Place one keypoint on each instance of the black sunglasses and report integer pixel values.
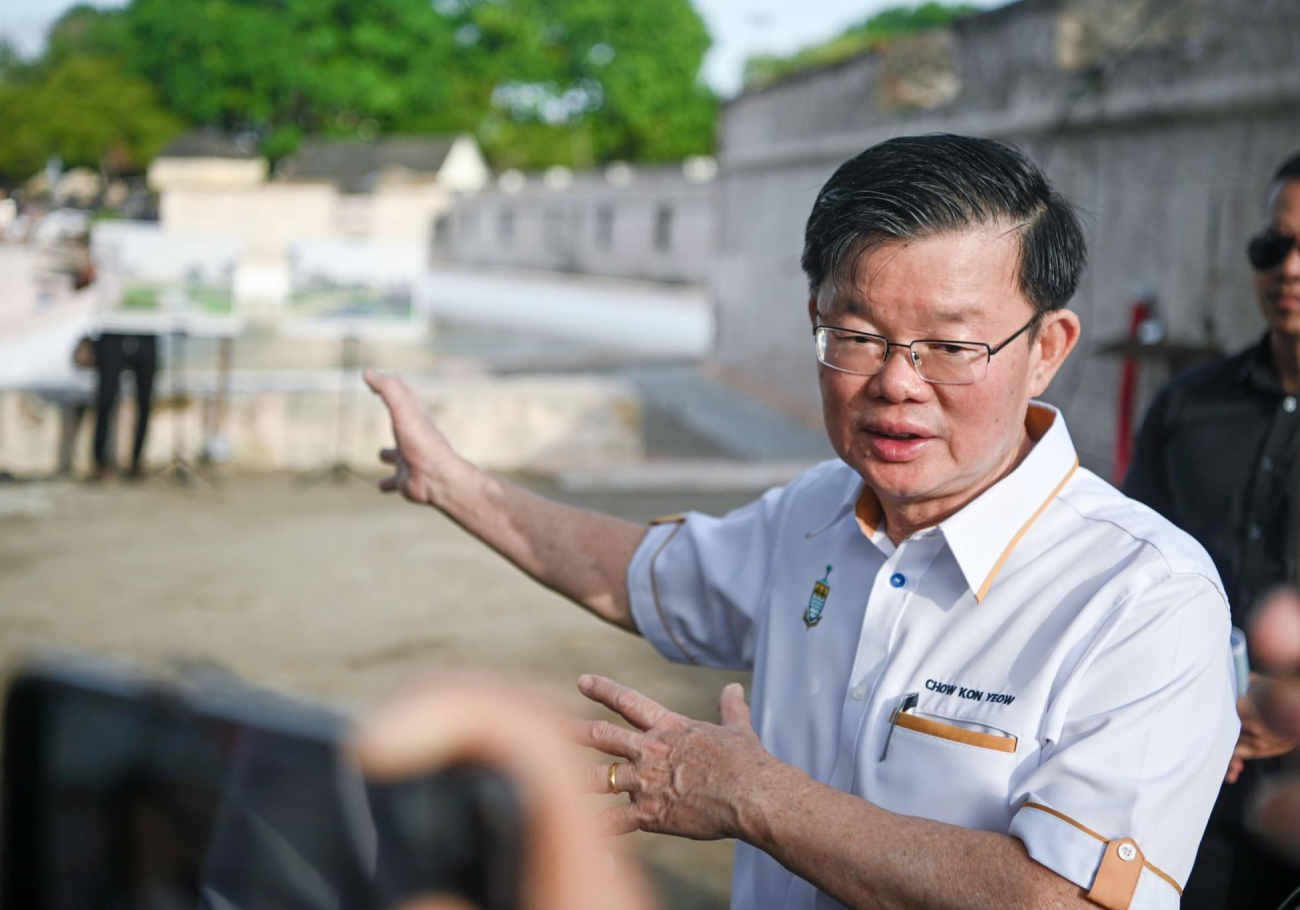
(1270, 249)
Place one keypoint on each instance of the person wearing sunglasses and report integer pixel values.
(1217, 456)
(982, 677)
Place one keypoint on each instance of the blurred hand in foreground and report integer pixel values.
(422, 459)
(1257, 739)
(1275, 648)
(567, 864)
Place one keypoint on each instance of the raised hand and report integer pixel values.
(685, 777)
(422, 459)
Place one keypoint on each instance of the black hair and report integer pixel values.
(1289, 170)
(919, 186)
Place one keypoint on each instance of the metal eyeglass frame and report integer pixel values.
(912, 355)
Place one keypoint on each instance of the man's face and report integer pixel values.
(1277, 290)
(912, 441)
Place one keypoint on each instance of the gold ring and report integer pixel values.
(613, 770)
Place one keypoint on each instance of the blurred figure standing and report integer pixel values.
(1217, 455)
(114, 354)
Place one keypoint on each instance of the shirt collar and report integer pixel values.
(984, 533)
(1257, 369)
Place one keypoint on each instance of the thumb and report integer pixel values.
(731, 706)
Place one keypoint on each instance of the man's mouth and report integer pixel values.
(897, 441)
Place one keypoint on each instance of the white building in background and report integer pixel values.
(386, 191)
(652, 223)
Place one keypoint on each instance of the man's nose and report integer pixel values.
(898, 379)
(1291, 264)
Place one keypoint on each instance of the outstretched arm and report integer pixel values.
(581, 554)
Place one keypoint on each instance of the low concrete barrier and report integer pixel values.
(287, 422)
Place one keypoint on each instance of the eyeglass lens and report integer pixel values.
(1269, 250)
(936, 361)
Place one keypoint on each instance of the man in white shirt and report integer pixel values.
(982, 677)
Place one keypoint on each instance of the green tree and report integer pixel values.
(88, 31)
(539, 81)
(86, 111)
(764, 69)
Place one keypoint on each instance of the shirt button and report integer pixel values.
(1266, 463)
(1254, 532)
(898, 579)
(859, 692)
(1288, 404)
(1127, 852)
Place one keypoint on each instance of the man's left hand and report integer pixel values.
(685, 777)
(1256, 740)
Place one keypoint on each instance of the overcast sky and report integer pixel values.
(739, 27)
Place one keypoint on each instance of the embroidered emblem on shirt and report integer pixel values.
(821, 590)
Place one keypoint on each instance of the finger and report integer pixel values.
(731, 706)
(1275, 632)
(607, 737)
(388, 456)
(641, 711)
(377, 380)
(1278, 703)
(1235, 767)
(619, 820)
(482, 721)
(389, 484)
(595, 778)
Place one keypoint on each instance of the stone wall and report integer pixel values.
(1161, 119)
(655, 224)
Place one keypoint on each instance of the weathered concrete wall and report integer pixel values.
(653, 224)
(1162, 121)
(542, 423)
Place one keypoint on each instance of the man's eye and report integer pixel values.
(951, 350)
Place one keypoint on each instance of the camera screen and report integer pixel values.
(128, 802)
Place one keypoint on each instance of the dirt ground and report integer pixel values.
(330, 591)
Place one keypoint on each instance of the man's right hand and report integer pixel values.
(422, 458)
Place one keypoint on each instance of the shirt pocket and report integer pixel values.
(949, 769)
(967, 732)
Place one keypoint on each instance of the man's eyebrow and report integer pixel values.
(851, 305)
(953, 317)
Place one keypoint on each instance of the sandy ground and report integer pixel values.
(331, 591)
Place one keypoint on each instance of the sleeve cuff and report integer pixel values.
(648, 614)
(1075, 852)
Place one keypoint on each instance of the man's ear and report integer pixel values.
(1056, 339)
(812, 310)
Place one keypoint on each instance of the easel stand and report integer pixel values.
(184, 473)
(341, 469)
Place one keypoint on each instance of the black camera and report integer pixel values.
(126, 792)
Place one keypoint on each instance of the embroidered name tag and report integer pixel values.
(992, 698)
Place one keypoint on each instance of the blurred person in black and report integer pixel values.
(1217, 455)
(114, 354)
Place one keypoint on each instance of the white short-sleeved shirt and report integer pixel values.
(1067, 649)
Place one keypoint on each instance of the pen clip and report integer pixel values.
(907, 703)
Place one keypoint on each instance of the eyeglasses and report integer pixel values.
(1270, 249)
(938, 362)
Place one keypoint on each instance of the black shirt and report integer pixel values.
(1217, 456)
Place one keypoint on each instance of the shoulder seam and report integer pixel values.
(1152, 545)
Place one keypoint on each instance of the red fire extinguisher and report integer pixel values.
(1139, 313)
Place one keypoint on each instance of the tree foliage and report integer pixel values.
(83, 109)
(539, 82)
(764, 69)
